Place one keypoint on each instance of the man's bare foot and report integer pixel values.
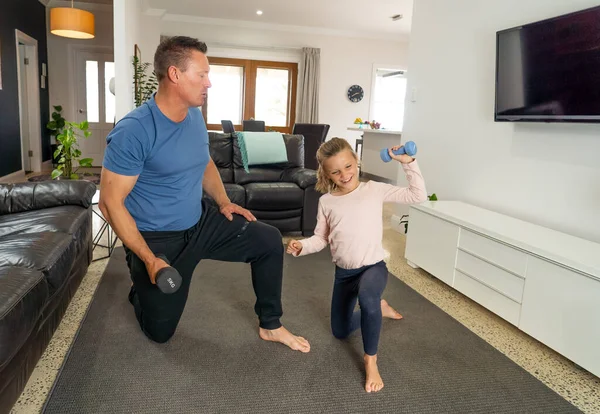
(374, 383)
(388, 312)
(282, 335)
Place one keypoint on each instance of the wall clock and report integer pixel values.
(355, 93)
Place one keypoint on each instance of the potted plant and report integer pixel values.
(68, 152)
(55, 126)
(144, 85)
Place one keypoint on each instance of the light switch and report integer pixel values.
(413, 94)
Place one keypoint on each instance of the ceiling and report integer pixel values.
(358, 16)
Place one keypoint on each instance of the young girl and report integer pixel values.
(350, 220)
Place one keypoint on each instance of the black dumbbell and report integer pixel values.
(168, 279)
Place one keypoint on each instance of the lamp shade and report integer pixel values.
(70, 22)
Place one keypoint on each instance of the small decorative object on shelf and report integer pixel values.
(362, 124)
(375, 125)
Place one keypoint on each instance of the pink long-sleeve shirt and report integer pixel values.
(351, 223)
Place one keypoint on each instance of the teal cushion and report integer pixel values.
(259, 148)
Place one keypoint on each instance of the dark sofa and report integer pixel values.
(45, 250)
(282, 195)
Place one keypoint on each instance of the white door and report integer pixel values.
(95, 103)
(24, 109)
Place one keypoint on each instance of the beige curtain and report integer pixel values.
(308, 86)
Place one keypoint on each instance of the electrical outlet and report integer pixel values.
(30, 153)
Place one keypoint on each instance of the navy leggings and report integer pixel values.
(365, 284)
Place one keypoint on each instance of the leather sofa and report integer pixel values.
(282, 195)
(45, 250)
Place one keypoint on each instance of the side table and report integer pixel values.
(104, 228)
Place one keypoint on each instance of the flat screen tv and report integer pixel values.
(549, 71)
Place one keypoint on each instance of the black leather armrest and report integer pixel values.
(16, 198)
(302, 177)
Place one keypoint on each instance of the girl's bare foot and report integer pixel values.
(388, 312)
(282, 335)
(374, 383)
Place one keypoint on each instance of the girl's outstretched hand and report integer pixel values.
(403, 158)
(294, 247)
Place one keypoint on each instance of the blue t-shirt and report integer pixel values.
(170, 159)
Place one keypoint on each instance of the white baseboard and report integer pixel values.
(13, 177)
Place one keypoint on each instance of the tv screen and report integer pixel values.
(550, 70)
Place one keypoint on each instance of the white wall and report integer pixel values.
(548, 174)
(127, 16)
(344, 61)
(61, 74)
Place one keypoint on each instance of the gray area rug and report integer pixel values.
(216, 362)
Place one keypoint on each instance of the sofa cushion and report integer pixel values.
(257, 175)
(294, 146)
(235, 192)
(261, 148)
(66, 219)
(23, 294)
(303, 177)
(273, 196)
(15, 198)
(221, 152)
(285, 225)
(277, 214)
(51, 253)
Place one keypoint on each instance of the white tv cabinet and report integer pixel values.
(544, 282)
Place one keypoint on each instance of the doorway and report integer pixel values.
(29, 102)
(388, 96)
(94, 101)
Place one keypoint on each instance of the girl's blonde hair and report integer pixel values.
(327, 150)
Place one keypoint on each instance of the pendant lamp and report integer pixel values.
(71, 22)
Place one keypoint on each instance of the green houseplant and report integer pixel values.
(58, 122)
(144, 84)
(55, 126)
(68, 152)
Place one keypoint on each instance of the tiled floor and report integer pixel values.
(573, 383)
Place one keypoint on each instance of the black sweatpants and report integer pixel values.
(365, 284)
(213, 237)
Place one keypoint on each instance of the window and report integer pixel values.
(388, 98)
(243, 89)
(271, 102)
(226, 93)
(109, 101)
(91, 86)
(100, 102)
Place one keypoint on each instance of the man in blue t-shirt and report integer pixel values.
(156, 167)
